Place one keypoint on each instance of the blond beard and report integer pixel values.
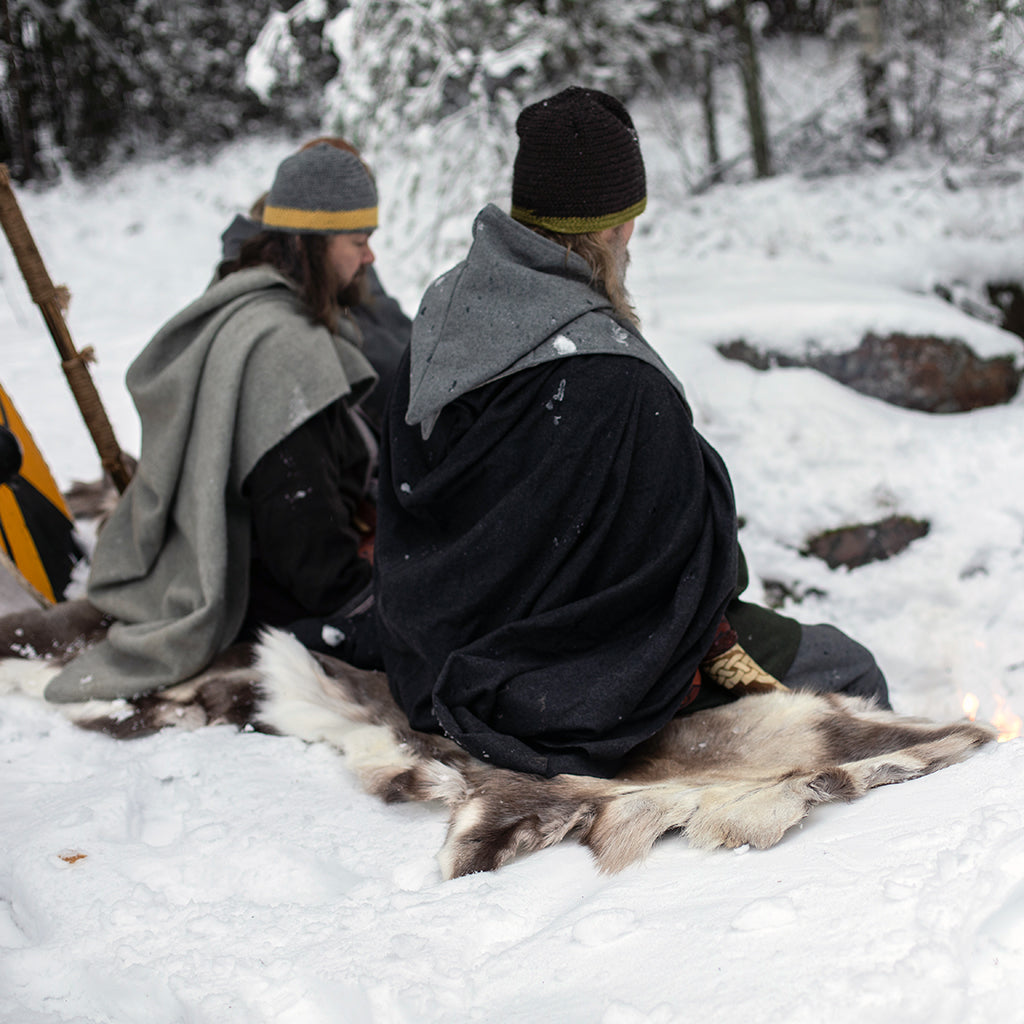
(622, 260)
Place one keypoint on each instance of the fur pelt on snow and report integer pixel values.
(739, 774)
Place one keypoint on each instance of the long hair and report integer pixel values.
(302, 258)
(607, 266)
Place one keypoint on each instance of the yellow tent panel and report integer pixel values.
(36, 526)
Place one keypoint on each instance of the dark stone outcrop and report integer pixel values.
(853, 546)
(777, 593)
(912, 371)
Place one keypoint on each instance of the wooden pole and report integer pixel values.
(45, 296)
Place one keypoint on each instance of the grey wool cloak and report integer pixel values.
(221, 384)
(556, 544)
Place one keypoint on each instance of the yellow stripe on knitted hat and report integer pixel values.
(578, 225)
(320, 220)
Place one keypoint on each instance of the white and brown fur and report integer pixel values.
(730, 776)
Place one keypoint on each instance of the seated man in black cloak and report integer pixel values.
(558, 572)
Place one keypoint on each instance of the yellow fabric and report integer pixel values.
(22, 546)
(36, 472)
(320, 220)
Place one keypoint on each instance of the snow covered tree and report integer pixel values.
(63, 78)
(439, 83)
(187, 67)
(956, 73)
(85, 78)
(412, 62)
(435, 88)
(1001, 76)
(292, 61)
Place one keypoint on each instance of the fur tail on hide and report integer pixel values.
(26, 676)
(320, 699)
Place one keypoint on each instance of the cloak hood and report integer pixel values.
(517, 300)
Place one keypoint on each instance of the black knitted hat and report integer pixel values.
(321, 190)
(579, 167)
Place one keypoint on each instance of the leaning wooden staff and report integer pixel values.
(73, 362)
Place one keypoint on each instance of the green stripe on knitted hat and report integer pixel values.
(321, 190)
(578, 225)
(578, 167)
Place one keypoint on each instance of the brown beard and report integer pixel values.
(356, 292)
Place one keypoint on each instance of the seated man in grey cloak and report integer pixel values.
(246, 506)
(557, 565)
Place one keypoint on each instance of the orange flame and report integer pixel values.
(1004, 720)
(971, 705)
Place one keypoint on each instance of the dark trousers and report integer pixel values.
(827, 661)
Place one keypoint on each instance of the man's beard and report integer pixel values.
(357, 291)
(622, 259)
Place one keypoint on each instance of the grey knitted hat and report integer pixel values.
(321, 190)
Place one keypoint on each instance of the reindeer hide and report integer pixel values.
(734, 775)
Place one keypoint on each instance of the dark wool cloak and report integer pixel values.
(556, 543)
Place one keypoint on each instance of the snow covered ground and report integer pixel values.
(217, 877)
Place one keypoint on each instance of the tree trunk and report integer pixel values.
(17, 131)
(704, 63)
(751, 74)
(706, 87)
(878, 112)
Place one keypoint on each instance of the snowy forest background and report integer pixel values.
(433, 87)
(91, 81)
